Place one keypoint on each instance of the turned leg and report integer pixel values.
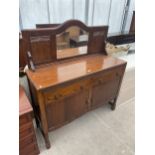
(47, 141)
(113, 104)
(46, 138)
(44, 123)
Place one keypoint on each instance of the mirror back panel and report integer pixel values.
(64, 41)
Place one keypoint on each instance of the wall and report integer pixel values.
(91, 12)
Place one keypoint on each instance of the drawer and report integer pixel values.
(25, 119)
(30, 139)
(31, 149)
(26, 130)
(65, 91)
(107, 76)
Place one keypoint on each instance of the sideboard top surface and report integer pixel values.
(66, 70)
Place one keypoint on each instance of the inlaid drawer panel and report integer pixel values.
(27, 140)
(110, 75)
(61, 93)
(29, 150)
(26, 130)
(24, 119)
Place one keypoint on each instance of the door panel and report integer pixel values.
(104, 92)
(66, 109)
(56, 114)
(76, 105)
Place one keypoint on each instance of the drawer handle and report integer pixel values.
(56, 97)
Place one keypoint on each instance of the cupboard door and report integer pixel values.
(66, 109)
(76, 105)
(56, 114)
(104, 92)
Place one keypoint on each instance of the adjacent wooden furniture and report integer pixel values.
(65, 88)
(27, 139)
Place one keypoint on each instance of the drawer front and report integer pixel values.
(29, 150)
(26, 130)
(23, 142)
(107, 76)
(65, 91)
(25, 119)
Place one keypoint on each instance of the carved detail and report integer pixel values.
(41, 42)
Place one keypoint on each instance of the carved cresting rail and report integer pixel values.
(41, 42)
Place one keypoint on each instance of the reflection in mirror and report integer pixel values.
(72, 42)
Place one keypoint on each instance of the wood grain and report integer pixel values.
(24, 104)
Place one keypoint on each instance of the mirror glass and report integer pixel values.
(72, 42)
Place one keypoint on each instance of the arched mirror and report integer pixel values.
(72, 42)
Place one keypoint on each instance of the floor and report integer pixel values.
(99, 132)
